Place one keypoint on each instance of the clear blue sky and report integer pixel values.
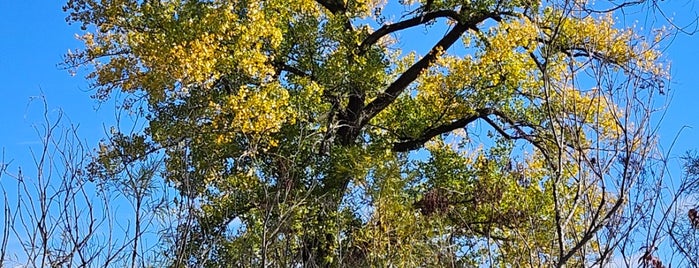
(34, 36)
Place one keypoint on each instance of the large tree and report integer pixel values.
(307, 132)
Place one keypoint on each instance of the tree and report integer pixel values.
(303, 134)
(54, 215)
(676, 222)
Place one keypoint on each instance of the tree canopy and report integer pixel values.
(392, 133)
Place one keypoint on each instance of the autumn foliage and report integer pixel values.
(380, 133)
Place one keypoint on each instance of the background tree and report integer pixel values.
(301, 133)
(54, 215)
(671, 233)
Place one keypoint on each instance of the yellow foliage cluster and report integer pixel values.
(219, 41)
(254, 111)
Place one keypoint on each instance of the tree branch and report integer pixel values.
(337, 7)
(281, 66)
(409, 145)
(520, 133)
(401, 83)
(391, 28)
(483, 113)
(391, 93)
(334, 6)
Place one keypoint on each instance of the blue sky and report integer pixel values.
(34, 36)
